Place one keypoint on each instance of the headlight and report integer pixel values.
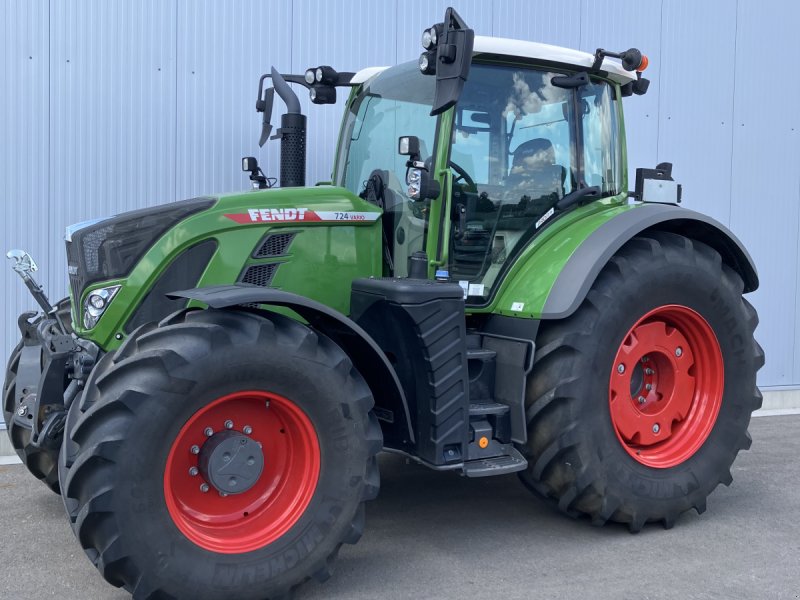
(413, 179)
(96, 303)
(309, 76)
(427, 62)
(319, 74)
(427, 39)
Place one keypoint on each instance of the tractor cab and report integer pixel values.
(528, 138)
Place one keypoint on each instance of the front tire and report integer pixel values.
(146, 464)
(639, 402)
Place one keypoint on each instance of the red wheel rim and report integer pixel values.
(666, 386)
(244, 522)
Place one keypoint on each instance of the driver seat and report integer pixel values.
(535, 174)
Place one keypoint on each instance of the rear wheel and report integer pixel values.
(640, 401)
(41, 461)
(220, 454)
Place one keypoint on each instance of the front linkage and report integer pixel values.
(45, 373)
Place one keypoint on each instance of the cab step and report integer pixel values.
(498, 465)
(487, 408)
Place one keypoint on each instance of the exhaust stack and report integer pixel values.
(292, 133)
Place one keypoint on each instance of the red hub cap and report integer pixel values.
(666, 386)
(279, 468)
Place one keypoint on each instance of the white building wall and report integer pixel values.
(110, 106)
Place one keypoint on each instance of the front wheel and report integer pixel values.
(640, 401)
(220, 454)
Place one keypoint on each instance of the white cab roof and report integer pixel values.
(567, 56)
(523, 49)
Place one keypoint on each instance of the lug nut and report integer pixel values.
(266, 404)
(194, 450)
(228, 424)
(247, 430)
(22, 410)
(648, 371)
(656, 428)
(223, 494)
(208, 431)
(678, 351)
(204, 487)
(193, 471)
(620, 369)
(648, 386)
(642, 399)
(645, 358)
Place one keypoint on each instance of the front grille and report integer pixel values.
(77, 277)
(275, 244)
(111, 248)
(260, 275)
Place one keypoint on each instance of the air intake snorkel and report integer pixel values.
(292, 131)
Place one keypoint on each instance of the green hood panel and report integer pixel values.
(338, 239)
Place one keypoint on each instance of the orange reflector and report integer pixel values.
(645, 62)
(483, 442)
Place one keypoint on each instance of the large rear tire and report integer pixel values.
(639, 402)
(146, 465)
(42, 462)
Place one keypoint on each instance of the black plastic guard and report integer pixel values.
(366, 355)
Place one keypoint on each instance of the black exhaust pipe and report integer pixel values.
(293, 135)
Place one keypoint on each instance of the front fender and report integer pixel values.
(366, 355)
(570, 260)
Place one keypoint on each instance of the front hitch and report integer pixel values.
(25, 266)
(53, 364)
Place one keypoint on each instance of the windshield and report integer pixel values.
(396, 103)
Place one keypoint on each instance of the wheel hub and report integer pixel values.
(231, 462)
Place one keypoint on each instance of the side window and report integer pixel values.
(601, 153)
(471, 138)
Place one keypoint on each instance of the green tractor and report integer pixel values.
(476, 290)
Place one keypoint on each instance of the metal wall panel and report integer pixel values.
(221, 53)
(112, 114)
(619, 25)
(765, 195)
(24, 139)
(116, 105)
(696, 103)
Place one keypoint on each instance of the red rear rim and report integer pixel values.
(243, 522)
(666, 386)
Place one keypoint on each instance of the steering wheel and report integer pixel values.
(462, 174)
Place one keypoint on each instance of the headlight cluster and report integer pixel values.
(430, 39)
(96, 303)
(323, 81)
(413, 180)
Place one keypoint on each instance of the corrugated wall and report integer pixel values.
(109, 106)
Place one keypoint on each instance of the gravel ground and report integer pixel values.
(432, 535)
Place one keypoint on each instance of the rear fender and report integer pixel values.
(552, 277)
(584, 265)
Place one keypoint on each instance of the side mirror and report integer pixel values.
(408, 145)
(250, 165)
(656, 185)
(421, 186)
